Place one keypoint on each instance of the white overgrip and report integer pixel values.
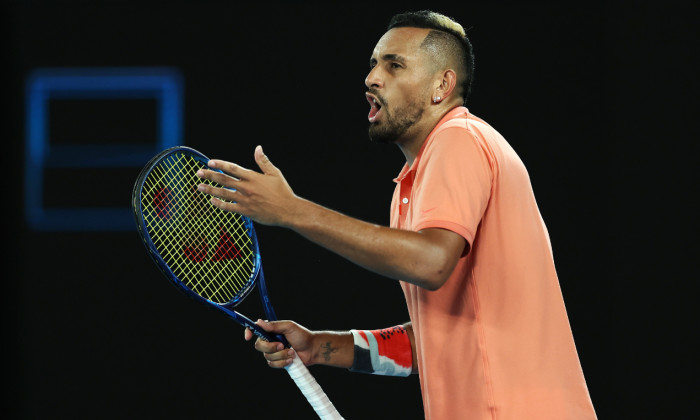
(312, 390)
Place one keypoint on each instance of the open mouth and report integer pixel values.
(375, 108)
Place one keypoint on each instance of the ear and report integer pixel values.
(445, 86)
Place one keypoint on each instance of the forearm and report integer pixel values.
(339, 349)
(390, 351)
(424, 258)
(414, 257)
(333, 349)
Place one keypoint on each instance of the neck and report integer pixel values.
(412, 141)
(410, 147)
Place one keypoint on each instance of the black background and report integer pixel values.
(599, 100)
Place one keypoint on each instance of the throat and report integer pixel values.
(412, 142)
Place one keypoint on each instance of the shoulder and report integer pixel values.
(454, 140)
(455, 127)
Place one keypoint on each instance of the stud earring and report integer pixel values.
(437, 99)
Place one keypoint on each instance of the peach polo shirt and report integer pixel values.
(494, 342)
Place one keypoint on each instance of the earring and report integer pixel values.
(437, 99)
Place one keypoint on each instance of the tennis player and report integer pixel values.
(488, 333)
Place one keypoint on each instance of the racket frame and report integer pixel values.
(255, 277)
(297, 370)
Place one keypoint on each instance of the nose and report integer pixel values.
(373, 79)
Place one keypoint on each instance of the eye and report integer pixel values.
(395, 65)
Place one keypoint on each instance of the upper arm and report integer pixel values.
(453, 189)
(443, 248)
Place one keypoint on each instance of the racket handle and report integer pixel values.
(312, 390)
(248, 323)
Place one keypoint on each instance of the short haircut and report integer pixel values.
(447, 38)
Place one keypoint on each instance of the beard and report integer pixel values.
(395, 123)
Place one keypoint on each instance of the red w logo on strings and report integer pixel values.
(226, 248)
(161, 202)
(197, 249)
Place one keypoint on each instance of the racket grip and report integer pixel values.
(312, 390)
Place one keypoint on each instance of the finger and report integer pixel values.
(264, 162)
(224, 199)
(281, 359)
(277, 327)
(233, 207)
(230, 168)
(219, 192)
(247, 334)
(219, 178)
(279, 355)
(268, 347)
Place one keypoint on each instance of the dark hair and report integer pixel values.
(449, 31)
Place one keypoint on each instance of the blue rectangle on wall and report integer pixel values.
(106, 90)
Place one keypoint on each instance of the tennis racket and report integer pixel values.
(210, 254)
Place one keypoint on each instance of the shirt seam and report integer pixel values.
(482, 343)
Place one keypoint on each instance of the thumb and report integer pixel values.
(277, 327)
(264, 162)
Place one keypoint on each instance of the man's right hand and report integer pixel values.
(324, 347)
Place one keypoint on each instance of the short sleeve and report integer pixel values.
(453, 183)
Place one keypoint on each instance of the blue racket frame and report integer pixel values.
(257, 277)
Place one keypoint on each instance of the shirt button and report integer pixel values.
(405, 200)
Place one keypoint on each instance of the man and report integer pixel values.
(489, 335)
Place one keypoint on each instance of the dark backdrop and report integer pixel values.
(599, 101)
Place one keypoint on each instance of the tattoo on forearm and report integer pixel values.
(328, 350)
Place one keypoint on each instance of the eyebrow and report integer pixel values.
(389, 57)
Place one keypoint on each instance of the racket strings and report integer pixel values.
(208, 249)
(196, 247)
